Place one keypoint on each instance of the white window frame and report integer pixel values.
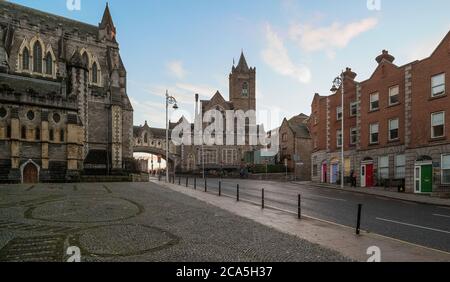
(378, 132)
(397, 166)
(432, 125)
(439, 85)
(339, 134)
(392, 95)
(390, 129)
(381, 168)
(376, 94)
(353, 105)
(442, 169)
(355, 130)
(339, 111)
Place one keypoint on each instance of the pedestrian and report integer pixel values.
(353, 178)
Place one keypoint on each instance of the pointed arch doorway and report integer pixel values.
(30, 173)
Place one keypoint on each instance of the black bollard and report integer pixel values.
(195, 183)
(187, 182)
(206, 186)
(220, 188)
(299, 206)
(358, 220)
(262, 199)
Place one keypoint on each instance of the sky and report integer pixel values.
(297, 46)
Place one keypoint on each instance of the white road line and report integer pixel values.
(413, 225)
(441, 215)
(329, 198)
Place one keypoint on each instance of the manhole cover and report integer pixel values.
(122, 240)
(85, 210)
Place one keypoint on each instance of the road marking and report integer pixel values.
(413, 225)
(329, 198)
(441, 215)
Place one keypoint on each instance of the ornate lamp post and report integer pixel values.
(339, 82)
(170, 100)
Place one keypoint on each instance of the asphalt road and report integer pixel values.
(421, 224)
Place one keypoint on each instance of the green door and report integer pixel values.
(427, 179)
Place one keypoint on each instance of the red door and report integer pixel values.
(324, 173)
(369, 175)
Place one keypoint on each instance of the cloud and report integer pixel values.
(176, 69)
(328, 38)
(277, 57)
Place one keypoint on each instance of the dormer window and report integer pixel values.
(245, 89)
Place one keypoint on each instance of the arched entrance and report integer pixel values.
(30, 173)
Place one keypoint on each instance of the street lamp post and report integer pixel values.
(339, 82)
(170, 100)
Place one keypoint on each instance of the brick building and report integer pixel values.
(64, 108)
(396, 126)
(295, 146)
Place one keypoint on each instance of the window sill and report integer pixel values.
(397, 140)
(374, 111)
(394, 105)
(374, 144)
(437, 139)
(437, 97)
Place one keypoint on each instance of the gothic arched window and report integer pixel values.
(48, 64)
(145, 138)
(85, 59)
(37, 57)
(94, 73)
(25, 59)
(245, 89)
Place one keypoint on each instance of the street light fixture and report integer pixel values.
(339, 82)
(170, 100)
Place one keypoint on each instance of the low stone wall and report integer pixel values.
(143, 177)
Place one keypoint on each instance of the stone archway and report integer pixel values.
(30, 172)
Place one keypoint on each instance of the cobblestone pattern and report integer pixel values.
(168, 227)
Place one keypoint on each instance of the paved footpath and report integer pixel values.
(416, 198)
(329, 235)
(136, 222)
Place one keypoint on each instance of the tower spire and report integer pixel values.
(107, 24)
(242, 65)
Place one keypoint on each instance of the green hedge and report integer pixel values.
(270, 169)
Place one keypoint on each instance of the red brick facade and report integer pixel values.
(401, 126)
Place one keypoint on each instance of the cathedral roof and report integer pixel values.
(35, 17)
(28, 85)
